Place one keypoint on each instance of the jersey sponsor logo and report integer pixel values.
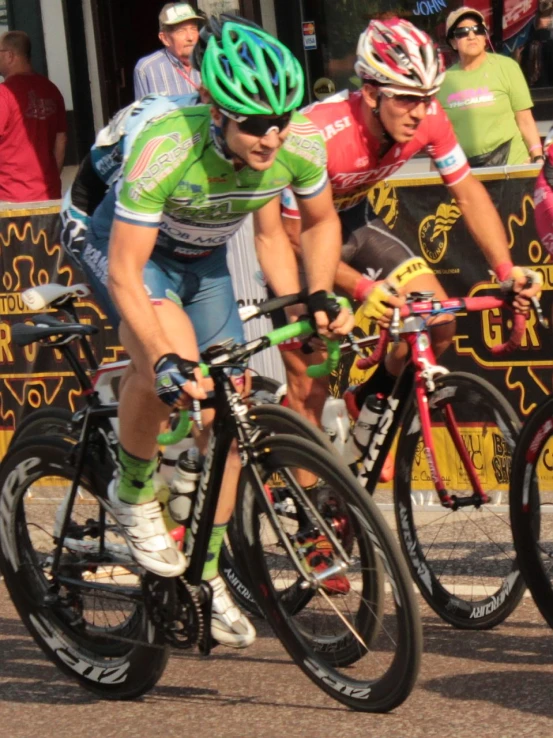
(346, 180)
(452, 161)
(337, 126)
(152, 167)
(147, 155)
(108, 162)
(310, 149)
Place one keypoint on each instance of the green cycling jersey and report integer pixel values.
(178, 179)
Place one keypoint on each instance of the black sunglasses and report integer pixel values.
(261, 125)
(464, 31)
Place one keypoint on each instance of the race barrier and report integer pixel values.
(418, 210)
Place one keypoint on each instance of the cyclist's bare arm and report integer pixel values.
(129, 250)
(320, 250)
(486, 228)
(274, 251)
(321, 239)
(482, 219)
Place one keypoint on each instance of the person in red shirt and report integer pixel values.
(32, 126)
(369, 134)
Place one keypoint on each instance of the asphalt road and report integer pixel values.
(495, 684)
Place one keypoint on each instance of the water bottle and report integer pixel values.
(364, 427)
(163, 476)
(182, 489)
(335, 423)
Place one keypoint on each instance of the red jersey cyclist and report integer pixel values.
(369, 134)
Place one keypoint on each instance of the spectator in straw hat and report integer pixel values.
(168, 71)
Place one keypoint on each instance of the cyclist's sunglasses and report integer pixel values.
(260, 125)
(478, 29)
(409, 99)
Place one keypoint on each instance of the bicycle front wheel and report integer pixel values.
(87, 615)
(463, 560)
(329, 576)
(271, 419)
(531, 502)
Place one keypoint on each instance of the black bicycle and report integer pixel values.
(109, 624)
(97, 389)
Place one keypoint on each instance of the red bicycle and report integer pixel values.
(455, 436)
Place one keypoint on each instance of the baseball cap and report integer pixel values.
(173, 13)
(457, 15)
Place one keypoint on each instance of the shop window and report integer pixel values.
(535, 53)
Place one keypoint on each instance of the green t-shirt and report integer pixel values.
(177, 178)
(481, 104)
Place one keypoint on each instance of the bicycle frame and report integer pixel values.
(228, 405)
(418, 377)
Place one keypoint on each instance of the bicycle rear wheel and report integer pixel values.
(531, 502)
(44, 422)
(463, 560)
(88, 616)
(357, 635)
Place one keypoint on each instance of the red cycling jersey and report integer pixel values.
(353, 163)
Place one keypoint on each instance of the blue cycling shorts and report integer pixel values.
(202, 287)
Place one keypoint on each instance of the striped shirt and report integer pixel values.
(161, 73)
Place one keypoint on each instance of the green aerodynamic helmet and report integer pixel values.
(246, 70)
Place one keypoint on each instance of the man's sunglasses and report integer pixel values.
(409, 99)
(464, 31)
(260, 125)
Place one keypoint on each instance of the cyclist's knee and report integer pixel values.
(306, 391)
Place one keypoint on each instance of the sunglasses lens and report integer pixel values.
(414, 99)
(258, 125)
(464, 32)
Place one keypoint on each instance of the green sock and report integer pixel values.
(211, 567)
(135, 478)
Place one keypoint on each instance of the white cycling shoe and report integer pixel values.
(146, 534)
(228, 625)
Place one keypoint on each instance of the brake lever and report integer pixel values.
(539, 312)
(394, 325)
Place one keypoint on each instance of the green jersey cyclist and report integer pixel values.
(190, 178)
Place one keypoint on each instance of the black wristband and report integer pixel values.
(539, 157)
(321, 301)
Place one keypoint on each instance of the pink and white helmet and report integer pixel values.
(395, 54)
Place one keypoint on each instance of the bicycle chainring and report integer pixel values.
(175, 608)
